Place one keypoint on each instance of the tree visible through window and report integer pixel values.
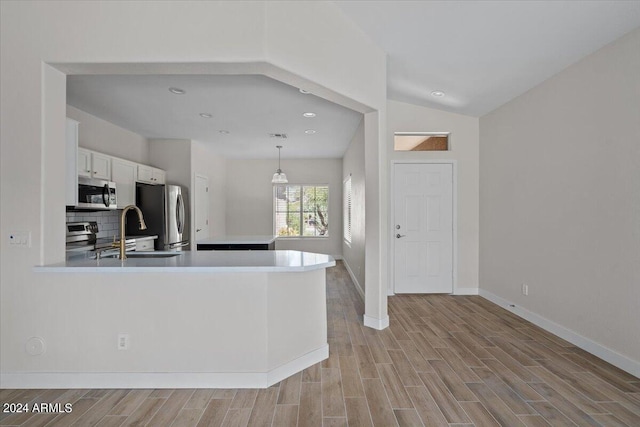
(301, 210)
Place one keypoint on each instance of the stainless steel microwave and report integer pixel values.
(96, 194)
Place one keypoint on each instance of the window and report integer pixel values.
(346, 209)
(421, 141)
(301, 210)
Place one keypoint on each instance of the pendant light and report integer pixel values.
(279, 177)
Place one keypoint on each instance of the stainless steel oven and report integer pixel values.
(96, 194)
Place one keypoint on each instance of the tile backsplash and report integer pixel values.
(108, 221)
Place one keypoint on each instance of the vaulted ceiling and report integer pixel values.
(478, 54)
(482, 54)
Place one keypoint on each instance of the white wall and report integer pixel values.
(182, 159)
(205, 162)
(322, 27)
(99, 135)
(164, 37)
(250, 199)
(174, 156)
(353, 165)
(465, 149)
(560, 199)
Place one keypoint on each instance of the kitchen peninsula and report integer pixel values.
(197, 319)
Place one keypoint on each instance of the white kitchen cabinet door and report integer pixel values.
(123, 173)
(94, 165)
(145, 174)
(144, 245)
(150, 175)
(158, 176)
(101, 166)
(84, 162)
(71, 168)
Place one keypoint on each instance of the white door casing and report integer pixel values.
(423, 258)
(201, 203)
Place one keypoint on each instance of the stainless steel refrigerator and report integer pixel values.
(165, 214)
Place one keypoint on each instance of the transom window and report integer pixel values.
(301, 210)
(421, 141)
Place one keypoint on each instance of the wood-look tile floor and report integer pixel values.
(445, 360)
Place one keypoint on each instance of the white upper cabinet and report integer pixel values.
(91, 164)
(144, 173)
(150, 175)
(84, 162)
(94, 165)
(101, 166)
(158, 176)
(123, 173)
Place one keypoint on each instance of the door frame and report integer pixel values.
(197, 175)
(392, 214)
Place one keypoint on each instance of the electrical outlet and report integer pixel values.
(123, 341)
(525, 289)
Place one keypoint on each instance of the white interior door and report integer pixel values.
(202, 207)
(423, 229)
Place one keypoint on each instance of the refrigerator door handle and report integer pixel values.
(180, 213)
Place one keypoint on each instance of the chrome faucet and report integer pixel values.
(123, 219)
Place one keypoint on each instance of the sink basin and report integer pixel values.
(154, 254)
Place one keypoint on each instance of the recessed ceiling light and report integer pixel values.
(177, 90)
(437, 93)
(304, 91)
(309, 131)
(224, 132)
(205, 115)
(309, 114)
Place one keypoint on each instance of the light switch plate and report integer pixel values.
(123, 341)
(20, 238)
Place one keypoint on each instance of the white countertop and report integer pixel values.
(226, 240)
(200, 262)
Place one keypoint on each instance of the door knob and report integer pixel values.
(400, 235)
(198, 229)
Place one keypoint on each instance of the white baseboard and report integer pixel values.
(48, 380)
(353, 278)
(284, 371)
(459, 291)
(466, 291)
(376, 323)
(623, 362)
(369, 321)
